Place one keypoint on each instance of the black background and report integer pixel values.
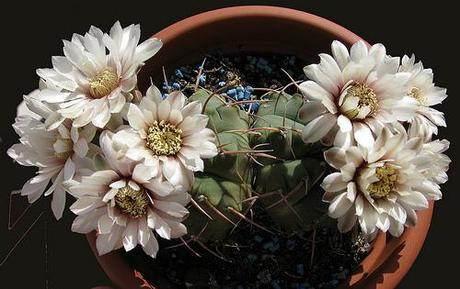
(51, 256)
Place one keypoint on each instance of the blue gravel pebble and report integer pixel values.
(274, 248)
(252, 257)
(249, 88)
(246, 94)
(290, 244)
(240, 95)
(179, 73)
(276, 284)
(231, 92)
(268, 245)
(254, 107)
(165, 86)
(258, 238)
(176, 85)
(300, 269)
(301, 286)
(221, 83)
(202, 79)
(262, 61)
(164, 96)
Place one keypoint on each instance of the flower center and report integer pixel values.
(387, 176)
(164, 139)
(64, 155)
(417, 93)
(359, 101)
(103, 83)
(132, 202)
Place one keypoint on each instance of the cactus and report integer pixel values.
(225, 182)
(287, 183)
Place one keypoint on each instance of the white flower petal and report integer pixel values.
(130, 235)
(58, 202)
(414, 200)
(311, 110)
(333, 183)
(318, 128)
(143, 173)
(136, 118)
(363, 135)
(335, 157)
(344, 123)
(339, 206)
(346, 222)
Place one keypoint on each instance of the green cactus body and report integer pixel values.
(289, 185)
(226, 180)
(287, 182)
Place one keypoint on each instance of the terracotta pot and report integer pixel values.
(271, 30)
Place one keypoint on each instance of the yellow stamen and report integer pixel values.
(132, 202)
(388, 177)
(103, 83)
(367, 98)
(164, 139)
(417, 93)
(64, 155)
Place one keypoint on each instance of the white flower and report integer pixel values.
(383, 186)
(422, 88)
(54, 152)
(125, 203)
(436, 163)
(92, 84)
(168, 135)
(353, 95)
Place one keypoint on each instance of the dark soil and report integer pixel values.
(250, 257)
(253, 258)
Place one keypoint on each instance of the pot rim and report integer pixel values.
(375, 269)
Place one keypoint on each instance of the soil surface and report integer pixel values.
(253, 258)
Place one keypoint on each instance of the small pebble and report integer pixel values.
(290, 244)
(300, 269)
(231, 92)
(268, 245)
(274, 248)
(202, 79)
(254, 107)
(252, 257)
(276, 284)
(178, 73)
(258, 238)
